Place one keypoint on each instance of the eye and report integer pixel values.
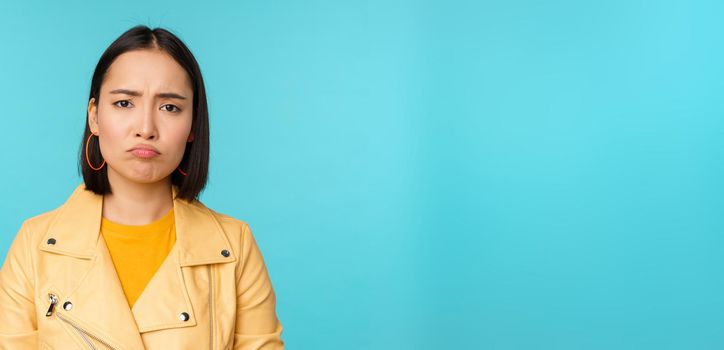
(122, 105)
(172, 109)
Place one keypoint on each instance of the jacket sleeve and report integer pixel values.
(257, 325)
(18, 324)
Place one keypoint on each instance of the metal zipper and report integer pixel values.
(211, 311)
(53, 300)
(82, 332)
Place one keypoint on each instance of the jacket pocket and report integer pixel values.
(82, 338)
(45, 346)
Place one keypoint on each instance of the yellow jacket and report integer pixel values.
(59, 288)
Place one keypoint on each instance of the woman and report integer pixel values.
(132, 259)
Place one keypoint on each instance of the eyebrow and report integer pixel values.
(136, 93)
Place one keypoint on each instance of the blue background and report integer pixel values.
(428, 175)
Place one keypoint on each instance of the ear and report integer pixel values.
(191, 137)
(93, 116)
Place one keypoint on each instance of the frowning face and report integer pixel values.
(143, 115)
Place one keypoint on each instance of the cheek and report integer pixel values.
(181, 136)
(111, 129)
(111, 133)
(182, 130)
(109, 119)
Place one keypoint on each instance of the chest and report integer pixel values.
(81, 304)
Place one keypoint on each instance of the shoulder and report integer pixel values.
(236, 230)
(30, 233)
(33, 228)
(226, 221)
(241, 239)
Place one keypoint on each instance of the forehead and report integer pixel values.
(146, 70)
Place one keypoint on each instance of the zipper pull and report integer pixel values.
(53, 300)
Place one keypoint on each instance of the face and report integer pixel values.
(145, 99)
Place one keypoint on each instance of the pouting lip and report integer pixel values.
(144, 146)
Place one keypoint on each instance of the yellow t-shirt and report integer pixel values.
(138, 251)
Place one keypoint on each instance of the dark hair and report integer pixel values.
(195, 161)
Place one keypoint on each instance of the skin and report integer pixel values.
(141, 187)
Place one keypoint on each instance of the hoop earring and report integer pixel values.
(182, 172)
(88, 159)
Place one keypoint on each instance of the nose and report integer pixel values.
(146, 126)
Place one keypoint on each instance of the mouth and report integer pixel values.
(144, 153)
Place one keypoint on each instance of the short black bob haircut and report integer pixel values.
(195, 162)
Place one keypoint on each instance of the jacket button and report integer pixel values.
(183, 316)
(225, 253)
(51, 241)
(67, 305)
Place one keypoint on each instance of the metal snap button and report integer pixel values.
(225, 253)
(51, 241)
(183, 316)
(67, 305)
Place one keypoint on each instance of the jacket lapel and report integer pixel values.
(98, 300)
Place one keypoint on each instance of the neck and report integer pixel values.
(133, 203)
